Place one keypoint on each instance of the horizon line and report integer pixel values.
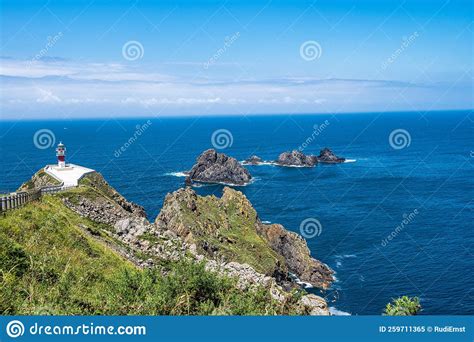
(256, 114)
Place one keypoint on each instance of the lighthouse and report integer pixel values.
(61, 154)
(69, 174)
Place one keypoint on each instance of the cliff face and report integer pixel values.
(229, 229)
(97, 182)
(295, 251)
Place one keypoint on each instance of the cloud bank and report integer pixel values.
(58, 87)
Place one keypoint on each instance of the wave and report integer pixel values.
(340, 258)
(335, 312)
(271, 163)
(301, 283)
(176, 174)
(264, 163)
(345, 256)
(266, 222)
(199, 184)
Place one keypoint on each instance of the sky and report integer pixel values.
(148, 58)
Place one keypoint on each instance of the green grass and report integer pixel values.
(231, 230)
(51, 264)
(94, 181)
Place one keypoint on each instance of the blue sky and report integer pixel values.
(70, 59)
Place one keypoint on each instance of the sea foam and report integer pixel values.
(335, 312)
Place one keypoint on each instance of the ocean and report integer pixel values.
(396, 221)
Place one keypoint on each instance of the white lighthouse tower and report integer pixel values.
(61, 154)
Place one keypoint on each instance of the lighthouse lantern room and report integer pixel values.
(61, 154)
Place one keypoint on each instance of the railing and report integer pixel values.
(18, 199)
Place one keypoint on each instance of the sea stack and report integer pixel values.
(296, 159)
(328, 156)
(213, 167)
(253, 160)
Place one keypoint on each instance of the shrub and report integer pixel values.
(403, 306)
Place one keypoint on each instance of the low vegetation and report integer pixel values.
(53, 261)
(403, 306)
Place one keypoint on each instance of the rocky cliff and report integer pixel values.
(228, 229)
(224, 234)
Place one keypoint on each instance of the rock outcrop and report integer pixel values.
(253, 160)
(213, 167)
(99, 202)
(296, 158)
(297, 255)
(96, 181)
(328, 156)
(228, 229)
(38, 180)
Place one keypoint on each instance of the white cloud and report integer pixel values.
(47, 97)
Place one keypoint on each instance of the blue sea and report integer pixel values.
(416, 187)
